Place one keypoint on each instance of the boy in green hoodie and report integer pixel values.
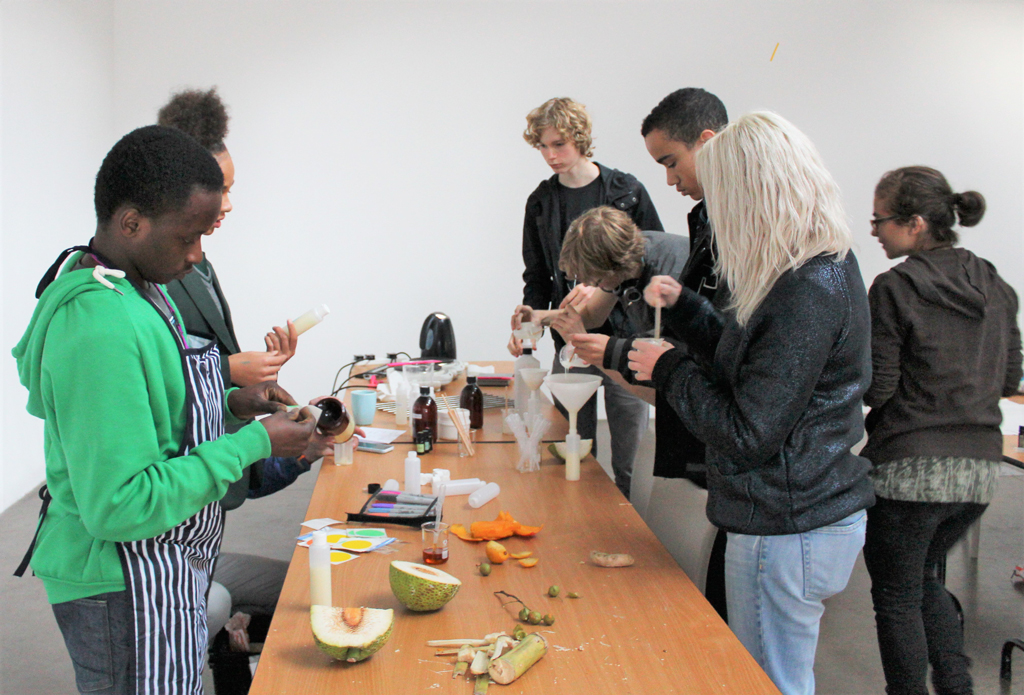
(136, 458)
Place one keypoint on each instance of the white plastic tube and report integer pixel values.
(466, 486)
(482, 496)
(311, 318)
(320, 570)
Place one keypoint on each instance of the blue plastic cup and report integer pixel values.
(364, 406)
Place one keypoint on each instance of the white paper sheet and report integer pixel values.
(317, 524)
(384, 436)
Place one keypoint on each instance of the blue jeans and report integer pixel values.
(628, 416)
(774, 589)
(99, 633)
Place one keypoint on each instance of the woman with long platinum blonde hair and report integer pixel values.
(773, 386)
(788, 212)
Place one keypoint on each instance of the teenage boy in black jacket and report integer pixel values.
(561, 129)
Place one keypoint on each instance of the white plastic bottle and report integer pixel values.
(484, 495)
(402, 405)
(320, 570)
(522, 391)
(412, 473)
(311, 318)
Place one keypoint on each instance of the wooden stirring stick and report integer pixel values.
(463, 435)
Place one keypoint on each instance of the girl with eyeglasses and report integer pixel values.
(945, 348)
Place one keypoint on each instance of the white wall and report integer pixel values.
(56, 123)
(380, 167)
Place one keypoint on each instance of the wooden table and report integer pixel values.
(644, 629)
(492, 429)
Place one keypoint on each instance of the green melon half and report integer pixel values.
(560, 449)
(420, 587)
(350, 634)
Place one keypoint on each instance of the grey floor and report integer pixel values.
(33, 660)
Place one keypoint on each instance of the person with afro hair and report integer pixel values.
(253, 582)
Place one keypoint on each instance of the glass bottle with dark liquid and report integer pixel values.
(472, 399)
(424, 414)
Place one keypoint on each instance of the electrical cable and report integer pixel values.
(334, 384)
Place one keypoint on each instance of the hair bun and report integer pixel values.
(970, 207)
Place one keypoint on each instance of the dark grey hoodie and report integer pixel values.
(944, 347)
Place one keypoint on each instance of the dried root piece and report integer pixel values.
(611, 559)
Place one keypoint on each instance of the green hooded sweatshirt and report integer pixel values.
(104, 372)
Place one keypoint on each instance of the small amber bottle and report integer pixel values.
(472, 399)
(424, 414)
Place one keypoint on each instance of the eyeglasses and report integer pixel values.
(875, 221)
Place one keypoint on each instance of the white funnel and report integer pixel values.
(573, 391)
(532, 377)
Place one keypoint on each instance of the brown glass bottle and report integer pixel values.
(424, 414)
(335, 420)
(472, 399)
(334, 416)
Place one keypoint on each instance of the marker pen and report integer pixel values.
(399, 508)
(403, 498)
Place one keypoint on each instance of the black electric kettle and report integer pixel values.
(437, 338)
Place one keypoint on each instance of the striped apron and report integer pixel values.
(169, 576)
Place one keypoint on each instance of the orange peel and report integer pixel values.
(529, 562)
(522, 555)
(502, 527)
(460, 531)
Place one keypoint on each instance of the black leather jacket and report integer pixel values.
(780, 406)
(544, 284)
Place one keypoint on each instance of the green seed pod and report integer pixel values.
(524, 614)
(549, 619)
(518, 632)
(553, 591)
(573, 594)
(485, 568)
(535, 618)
